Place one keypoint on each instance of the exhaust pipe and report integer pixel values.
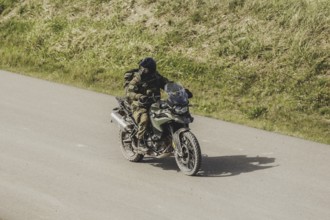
(120, 121)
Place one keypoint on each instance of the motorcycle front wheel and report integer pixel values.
(127, 148)
(189, 161)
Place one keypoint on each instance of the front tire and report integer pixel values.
(190, 160)
(127, 148)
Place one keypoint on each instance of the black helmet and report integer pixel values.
(149, 64)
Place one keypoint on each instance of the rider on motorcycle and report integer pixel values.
(142, 91)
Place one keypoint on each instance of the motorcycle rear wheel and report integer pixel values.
(127, 148)
(190, 161)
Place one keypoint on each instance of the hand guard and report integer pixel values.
(189, 93)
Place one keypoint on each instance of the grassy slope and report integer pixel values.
(261, 63)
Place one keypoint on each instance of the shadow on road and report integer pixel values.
(222, 166)
(167, 163)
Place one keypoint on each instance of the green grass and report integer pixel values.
(260, 63)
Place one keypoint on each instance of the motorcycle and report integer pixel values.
(167, 134)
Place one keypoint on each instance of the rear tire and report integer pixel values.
(190, 161)
(127, 148)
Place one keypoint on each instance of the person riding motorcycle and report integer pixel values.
(142, 91)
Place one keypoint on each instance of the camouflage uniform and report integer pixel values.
(143, 84)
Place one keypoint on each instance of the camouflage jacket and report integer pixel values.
(145, 84)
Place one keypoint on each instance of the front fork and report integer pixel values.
(176, 143)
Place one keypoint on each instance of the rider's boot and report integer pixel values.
(142, 146)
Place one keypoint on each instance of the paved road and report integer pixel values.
(59, 159)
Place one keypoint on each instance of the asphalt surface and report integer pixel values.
(60, 159)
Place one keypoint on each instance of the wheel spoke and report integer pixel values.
(190, 151)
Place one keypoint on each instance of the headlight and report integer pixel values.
(180, 110)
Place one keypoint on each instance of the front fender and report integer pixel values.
(183, 119)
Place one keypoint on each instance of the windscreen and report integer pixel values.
(176, 94)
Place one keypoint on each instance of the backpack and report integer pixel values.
(128, 76)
